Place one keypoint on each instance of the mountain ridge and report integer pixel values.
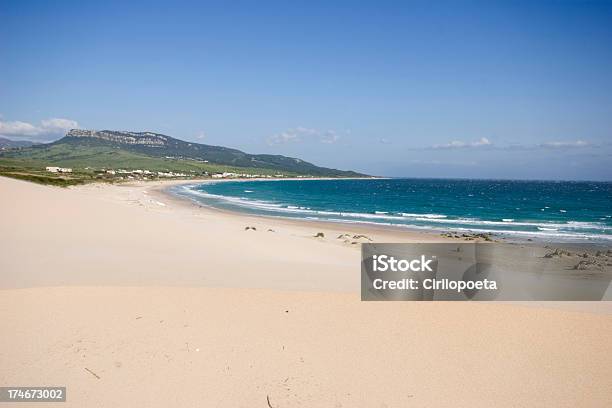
(167, 147)
(6, 143)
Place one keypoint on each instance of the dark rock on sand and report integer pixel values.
(588, 265)
(558, 253)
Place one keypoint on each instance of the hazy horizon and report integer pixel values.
(511, 90)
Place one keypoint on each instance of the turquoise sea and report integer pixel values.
(547, 210)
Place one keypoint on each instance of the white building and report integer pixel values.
(54, 169)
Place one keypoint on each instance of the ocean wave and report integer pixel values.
(543, 234)
(474, 221)
(423, 215)
(566, 236)
(440, 222)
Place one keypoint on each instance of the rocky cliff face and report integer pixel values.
(132, 138)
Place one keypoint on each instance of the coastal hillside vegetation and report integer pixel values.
(113, 156)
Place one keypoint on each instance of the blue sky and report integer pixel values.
(451, 89)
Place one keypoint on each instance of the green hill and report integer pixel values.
(6, 144)
(85, 149)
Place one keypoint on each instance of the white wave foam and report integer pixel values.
(474, 221)
(541, 234)
(571, 229)
(433, 216)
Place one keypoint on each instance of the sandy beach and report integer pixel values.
(130, 297)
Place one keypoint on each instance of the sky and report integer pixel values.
(492, 89)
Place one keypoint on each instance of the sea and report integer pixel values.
(537, 210)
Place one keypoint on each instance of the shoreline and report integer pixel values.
(445, 234)
(324, 255)
(163, 192)
(130, 233)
